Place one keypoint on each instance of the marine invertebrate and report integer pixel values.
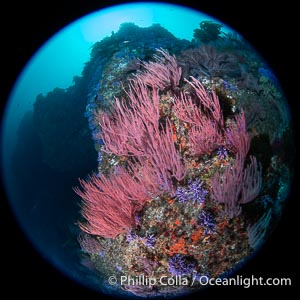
(207, 61)
(147, 240)
(207, 221)
(222, 152)
(162, 72)
(181, 265)
(130, 236)
(236, 186)
(182, 194)
(237, 138)
(186, 158)
(110, 202)
(208, 123)
(193, 191)
(161, 138)
(133, 127)
(257, 231)
(109, 206)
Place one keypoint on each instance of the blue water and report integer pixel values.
(27, 176)
(64, 55)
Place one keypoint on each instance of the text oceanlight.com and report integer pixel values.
(239, 280)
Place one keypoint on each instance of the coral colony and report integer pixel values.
(176, 177)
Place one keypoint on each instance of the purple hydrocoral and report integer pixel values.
(194, 191)
(207, 221)
(180, 265)
(222, 152)
(182, 194)
(130, 236)
(197, 191)
(148, 239)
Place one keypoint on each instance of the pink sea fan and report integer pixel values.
(203, 112)
(110, 202)
(161, 73)
(236, 186)
(237, 138)
(205, 139)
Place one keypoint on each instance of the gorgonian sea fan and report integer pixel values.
(133, 129)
